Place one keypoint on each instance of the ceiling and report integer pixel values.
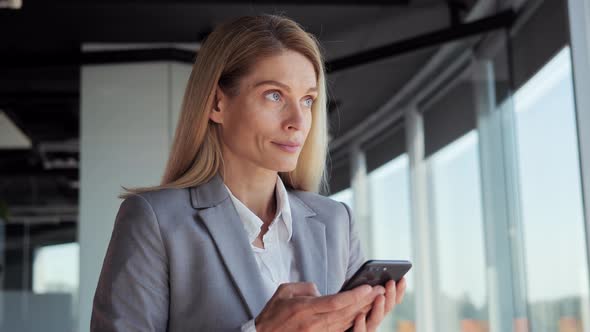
(40, 68)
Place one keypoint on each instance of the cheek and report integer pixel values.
(254, 126)
(237, 130)
(308, 123)
(245, 131)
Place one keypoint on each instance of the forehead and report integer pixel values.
(288, 67)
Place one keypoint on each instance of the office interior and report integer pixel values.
(459, 136)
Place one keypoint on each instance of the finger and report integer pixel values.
(377, 314)
(365, 310)
(400, 290)
(330, 303)
(365, 305)
(360, 324)
(343, 325)
(343, 320)
(390, 296)
(379, 289)
(346, 316)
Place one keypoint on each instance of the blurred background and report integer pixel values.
(460, 137)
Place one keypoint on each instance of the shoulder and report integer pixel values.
(159, 203)
(165, 197)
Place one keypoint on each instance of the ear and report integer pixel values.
(217, 111)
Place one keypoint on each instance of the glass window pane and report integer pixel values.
(456, 213)
(390, 208)
(55, 269)
(552, 211)
(344, 196)
(40, 281)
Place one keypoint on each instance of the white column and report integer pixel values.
(128, 113)
(423, 233)
(362, 199)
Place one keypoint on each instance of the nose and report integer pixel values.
(295, 117)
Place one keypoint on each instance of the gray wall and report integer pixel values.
(128, 113)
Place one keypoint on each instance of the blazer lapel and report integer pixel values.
(309, 243)
(224, 224)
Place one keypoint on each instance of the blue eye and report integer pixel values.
(275, 96)
(309, 102)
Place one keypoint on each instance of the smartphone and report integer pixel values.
(378, 272)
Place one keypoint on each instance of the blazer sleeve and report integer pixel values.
(133, 289)
(356, 257)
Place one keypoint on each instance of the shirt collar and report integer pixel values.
(253, 223)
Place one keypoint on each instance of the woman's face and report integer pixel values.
(267, 122)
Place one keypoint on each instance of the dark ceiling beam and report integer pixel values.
(27, 162)
(38, 171)
(502, 20)
(459, 31)
(141, 55)
(36, 97)
(241, 2)
(99, 58)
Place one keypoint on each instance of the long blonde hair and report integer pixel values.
(227, 55)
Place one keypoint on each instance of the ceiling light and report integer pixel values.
(11, 4)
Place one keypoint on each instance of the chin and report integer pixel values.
(285, 167)
(280, 164)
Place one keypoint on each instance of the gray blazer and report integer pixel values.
(179, 259)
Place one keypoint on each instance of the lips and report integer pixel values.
(290, 144)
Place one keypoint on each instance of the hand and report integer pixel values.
(381, 307)
(299, 307)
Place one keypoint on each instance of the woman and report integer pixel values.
(236, 236)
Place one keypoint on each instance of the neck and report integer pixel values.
(253, 186)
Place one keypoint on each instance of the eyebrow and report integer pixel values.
(282, 85)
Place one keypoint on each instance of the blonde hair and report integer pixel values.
(227, 55)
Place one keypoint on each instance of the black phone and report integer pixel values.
(378, 272)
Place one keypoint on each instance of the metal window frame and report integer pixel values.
(579, 26)
(506, 278)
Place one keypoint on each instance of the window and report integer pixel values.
(55, 269)
(344, 196)
(391, 231)
(456, 215)
(552, 210)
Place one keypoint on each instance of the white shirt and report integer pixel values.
(276, 261)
